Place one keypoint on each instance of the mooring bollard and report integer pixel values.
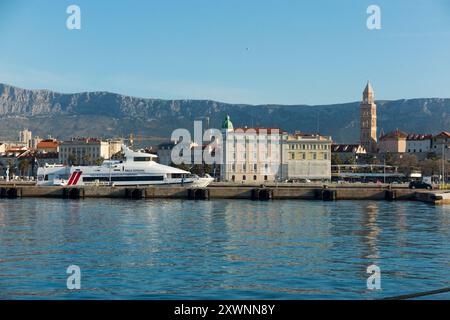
(135, 193)
(329, 195)
(73, 193)
(12, 193)
(390, 195)
(318, 194)
(262, 194)
(198, 194)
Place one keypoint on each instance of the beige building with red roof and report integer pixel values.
(393, 142)
(47, 146)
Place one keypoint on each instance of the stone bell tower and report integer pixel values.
(368, 120)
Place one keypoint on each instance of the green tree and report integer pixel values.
(406, 163)
(72, 159)
(99, 161)
(335, 159)
(351, 160)
(24, 165)
(430, 167)
(87, 158)
(389, 159)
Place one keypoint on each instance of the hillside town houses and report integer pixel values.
(252, 154)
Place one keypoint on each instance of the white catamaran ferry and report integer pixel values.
(138, 168)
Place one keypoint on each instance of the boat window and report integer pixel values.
(140, 159)
(124, 178)
(46, 177)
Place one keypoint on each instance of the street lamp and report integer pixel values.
(443, 166)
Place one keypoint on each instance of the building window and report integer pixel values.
(244, 177)
(254, 177)
(255, 167)
(233, 178)
(265, 178)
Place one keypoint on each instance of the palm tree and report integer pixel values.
(87, 158)
(99, 161)
(24, 165)
(72, 159)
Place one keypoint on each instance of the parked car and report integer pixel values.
(420, 185)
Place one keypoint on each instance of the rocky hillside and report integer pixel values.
(107, 114)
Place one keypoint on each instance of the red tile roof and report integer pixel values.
(47, 144)
(443, 134)
(344, 147)
(397, 134)
(414, 136)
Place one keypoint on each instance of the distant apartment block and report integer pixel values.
(87, 151)
(164, 153)
(26, 138)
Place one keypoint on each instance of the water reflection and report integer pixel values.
(372, 230)
(220, 249)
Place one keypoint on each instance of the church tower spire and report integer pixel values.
(368, 95)
(368, 119)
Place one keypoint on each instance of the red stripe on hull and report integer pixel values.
(77, 178)
(71, 178)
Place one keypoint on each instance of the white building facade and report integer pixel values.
(251, 155)
(259, 155)
(418, 143)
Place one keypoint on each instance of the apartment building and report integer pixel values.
(87, 151)
(307, 156)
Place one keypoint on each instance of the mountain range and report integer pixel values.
(105, 114)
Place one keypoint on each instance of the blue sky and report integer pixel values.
(287, 52)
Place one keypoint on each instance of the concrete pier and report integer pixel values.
(221, 191)
(437, 198)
